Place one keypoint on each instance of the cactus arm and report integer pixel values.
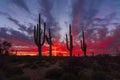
(83, 44)
(44, 35)
(69, 45)
(39, 21)
(67, 42)
(70, 29)
(71, 41)
(50, 37)
(38, 34)
(35, 36)
(47, 39)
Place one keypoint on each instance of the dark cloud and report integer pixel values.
(4, 32)
(13, 33)
(19, 35)
(116, 36)
(15, 37)
(83, 11)
(22, 27)
(4, 14)
(46, 7)
(30, 28)
(15, 21)
(21, 4)
(101, 24)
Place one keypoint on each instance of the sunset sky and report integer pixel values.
(100, 20)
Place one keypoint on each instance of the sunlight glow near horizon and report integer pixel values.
(58, 51)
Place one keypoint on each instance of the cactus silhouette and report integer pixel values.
(83, 44)
(38, 38)
(49, 41)
(69, 46)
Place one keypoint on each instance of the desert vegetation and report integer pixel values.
(99, 67)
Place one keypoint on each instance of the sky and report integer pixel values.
(100, 19)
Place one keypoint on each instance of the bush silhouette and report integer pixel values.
(100, 75)
(12, 71)
(68, 76)
(4, 48)
(20, 78)
(54, 73)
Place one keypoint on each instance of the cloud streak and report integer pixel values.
(21, 4)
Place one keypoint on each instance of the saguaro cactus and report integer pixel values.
(70, 46)
(49, 40)
(83, 44)
(39, 41)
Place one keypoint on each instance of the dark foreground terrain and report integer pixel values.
(60, 68)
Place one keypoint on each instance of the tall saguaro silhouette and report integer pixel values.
(69, 45)
(83, 44)
(49, 40)
(39, 39)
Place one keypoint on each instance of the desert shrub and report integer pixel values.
(19, 78)
(30, 65)
(47, 64)
(100, 75)
(68, 76)
(54, 73)
(27, 65)
(70, 67)
(114, 66)
(11, 71)
(106, 55)
(44, 63)
(97, 67)
(1, 78)
(86, 74)
(1, 75)
(37, 62)
(114, 75)
(33, 66)
(15, 59)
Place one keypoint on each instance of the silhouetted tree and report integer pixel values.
(4, 48)
(38, 36)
